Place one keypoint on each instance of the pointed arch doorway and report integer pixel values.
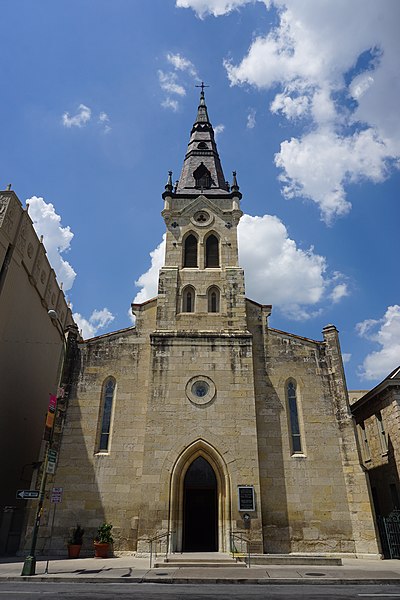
(200, 514)
(202, 499)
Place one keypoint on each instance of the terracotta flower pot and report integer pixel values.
(74, 550)
(101, 550)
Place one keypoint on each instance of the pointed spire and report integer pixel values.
(168, 185)
(202, 168)
(234, 186)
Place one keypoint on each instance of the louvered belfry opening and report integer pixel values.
(212, 252)
(190, 251)
(202, 177)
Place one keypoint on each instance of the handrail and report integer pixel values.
(157, 538)
(238, 535)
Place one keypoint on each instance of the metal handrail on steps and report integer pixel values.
(237, 537)
(157, 540)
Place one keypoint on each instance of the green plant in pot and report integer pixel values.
(75, 542)
(103, 541)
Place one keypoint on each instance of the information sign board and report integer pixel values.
(246, 497)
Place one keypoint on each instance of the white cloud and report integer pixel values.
(82, 117)
(56, 239)
(346, 357)
(292, 108)
(168, 83)
(211, 7)
(276, 270)
(99, 319)
(104, 120)
(170, 103)
(181, 63)
(303, 56)
(320, 164)
(386, 333)
(218, 129)
(251, 119)
(339, 291)
(148, 281)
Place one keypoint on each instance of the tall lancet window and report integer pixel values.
(106, 414)
(213, 299)
(190, 251)
(212, 252)
(202, 177)
(294, 418)
(188, 297)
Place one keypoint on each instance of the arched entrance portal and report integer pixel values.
(200, 516)
(183, 490)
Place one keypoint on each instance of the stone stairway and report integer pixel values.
(198, 559)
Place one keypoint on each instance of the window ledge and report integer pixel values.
(298, 455)
(102, 453)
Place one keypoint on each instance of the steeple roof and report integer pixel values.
(202, 168)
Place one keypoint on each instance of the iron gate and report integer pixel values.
(389, 530)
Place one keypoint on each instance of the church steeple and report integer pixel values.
(202, 168)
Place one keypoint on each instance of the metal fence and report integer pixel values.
(389, 531)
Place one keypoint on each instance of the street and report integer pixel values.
(149, 591)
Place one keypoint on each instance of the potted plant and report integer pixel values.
(103, 541)
(75, 542)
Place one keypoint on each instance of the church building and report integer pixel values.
(202, 420)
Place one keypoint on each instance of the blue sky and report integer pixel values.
(97, 104)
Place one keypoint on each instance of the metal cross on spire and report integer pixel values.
(202, 86)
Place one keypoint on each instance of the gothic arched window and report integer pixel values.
(188, 298)
(294, 417)
(212, 252)
(202, 177)
(213, 299)
(107, 401)
(190, 251)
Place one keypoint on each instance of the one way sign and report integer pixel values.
(27, 494)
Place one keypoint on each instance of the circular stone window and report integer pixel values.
(200, 390)
(202, 218)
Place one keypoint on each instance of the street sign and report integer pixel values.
(56, 495)
(51, 468)
(52, 455)
(27, 494)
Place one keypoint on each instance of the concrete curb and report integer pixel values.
(203, 581)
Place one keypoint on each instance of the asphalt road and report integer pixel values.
(148, 591)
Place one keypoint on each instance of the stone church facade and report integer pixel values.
(202, 420)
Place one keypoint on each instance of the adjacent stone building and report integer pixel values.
(31, 348)
(377, 415)
(202, 420)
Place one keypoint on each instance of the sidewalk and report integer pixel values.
(136, 570)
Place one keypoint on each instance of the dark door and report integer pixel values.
(200, 508)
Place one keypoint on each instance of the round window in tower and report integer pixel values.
(200, 390)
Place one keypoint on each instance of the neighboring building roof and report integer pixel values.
(393, 379)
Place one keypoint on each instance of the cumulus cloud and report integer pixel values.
(181, 63)
(386, 333)
(276, 270)
(99, 319)
(339, 291)
(56, 239)
(346, 357)
(148, 281)
(315, 77)
(211, 7)
(80, 119)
